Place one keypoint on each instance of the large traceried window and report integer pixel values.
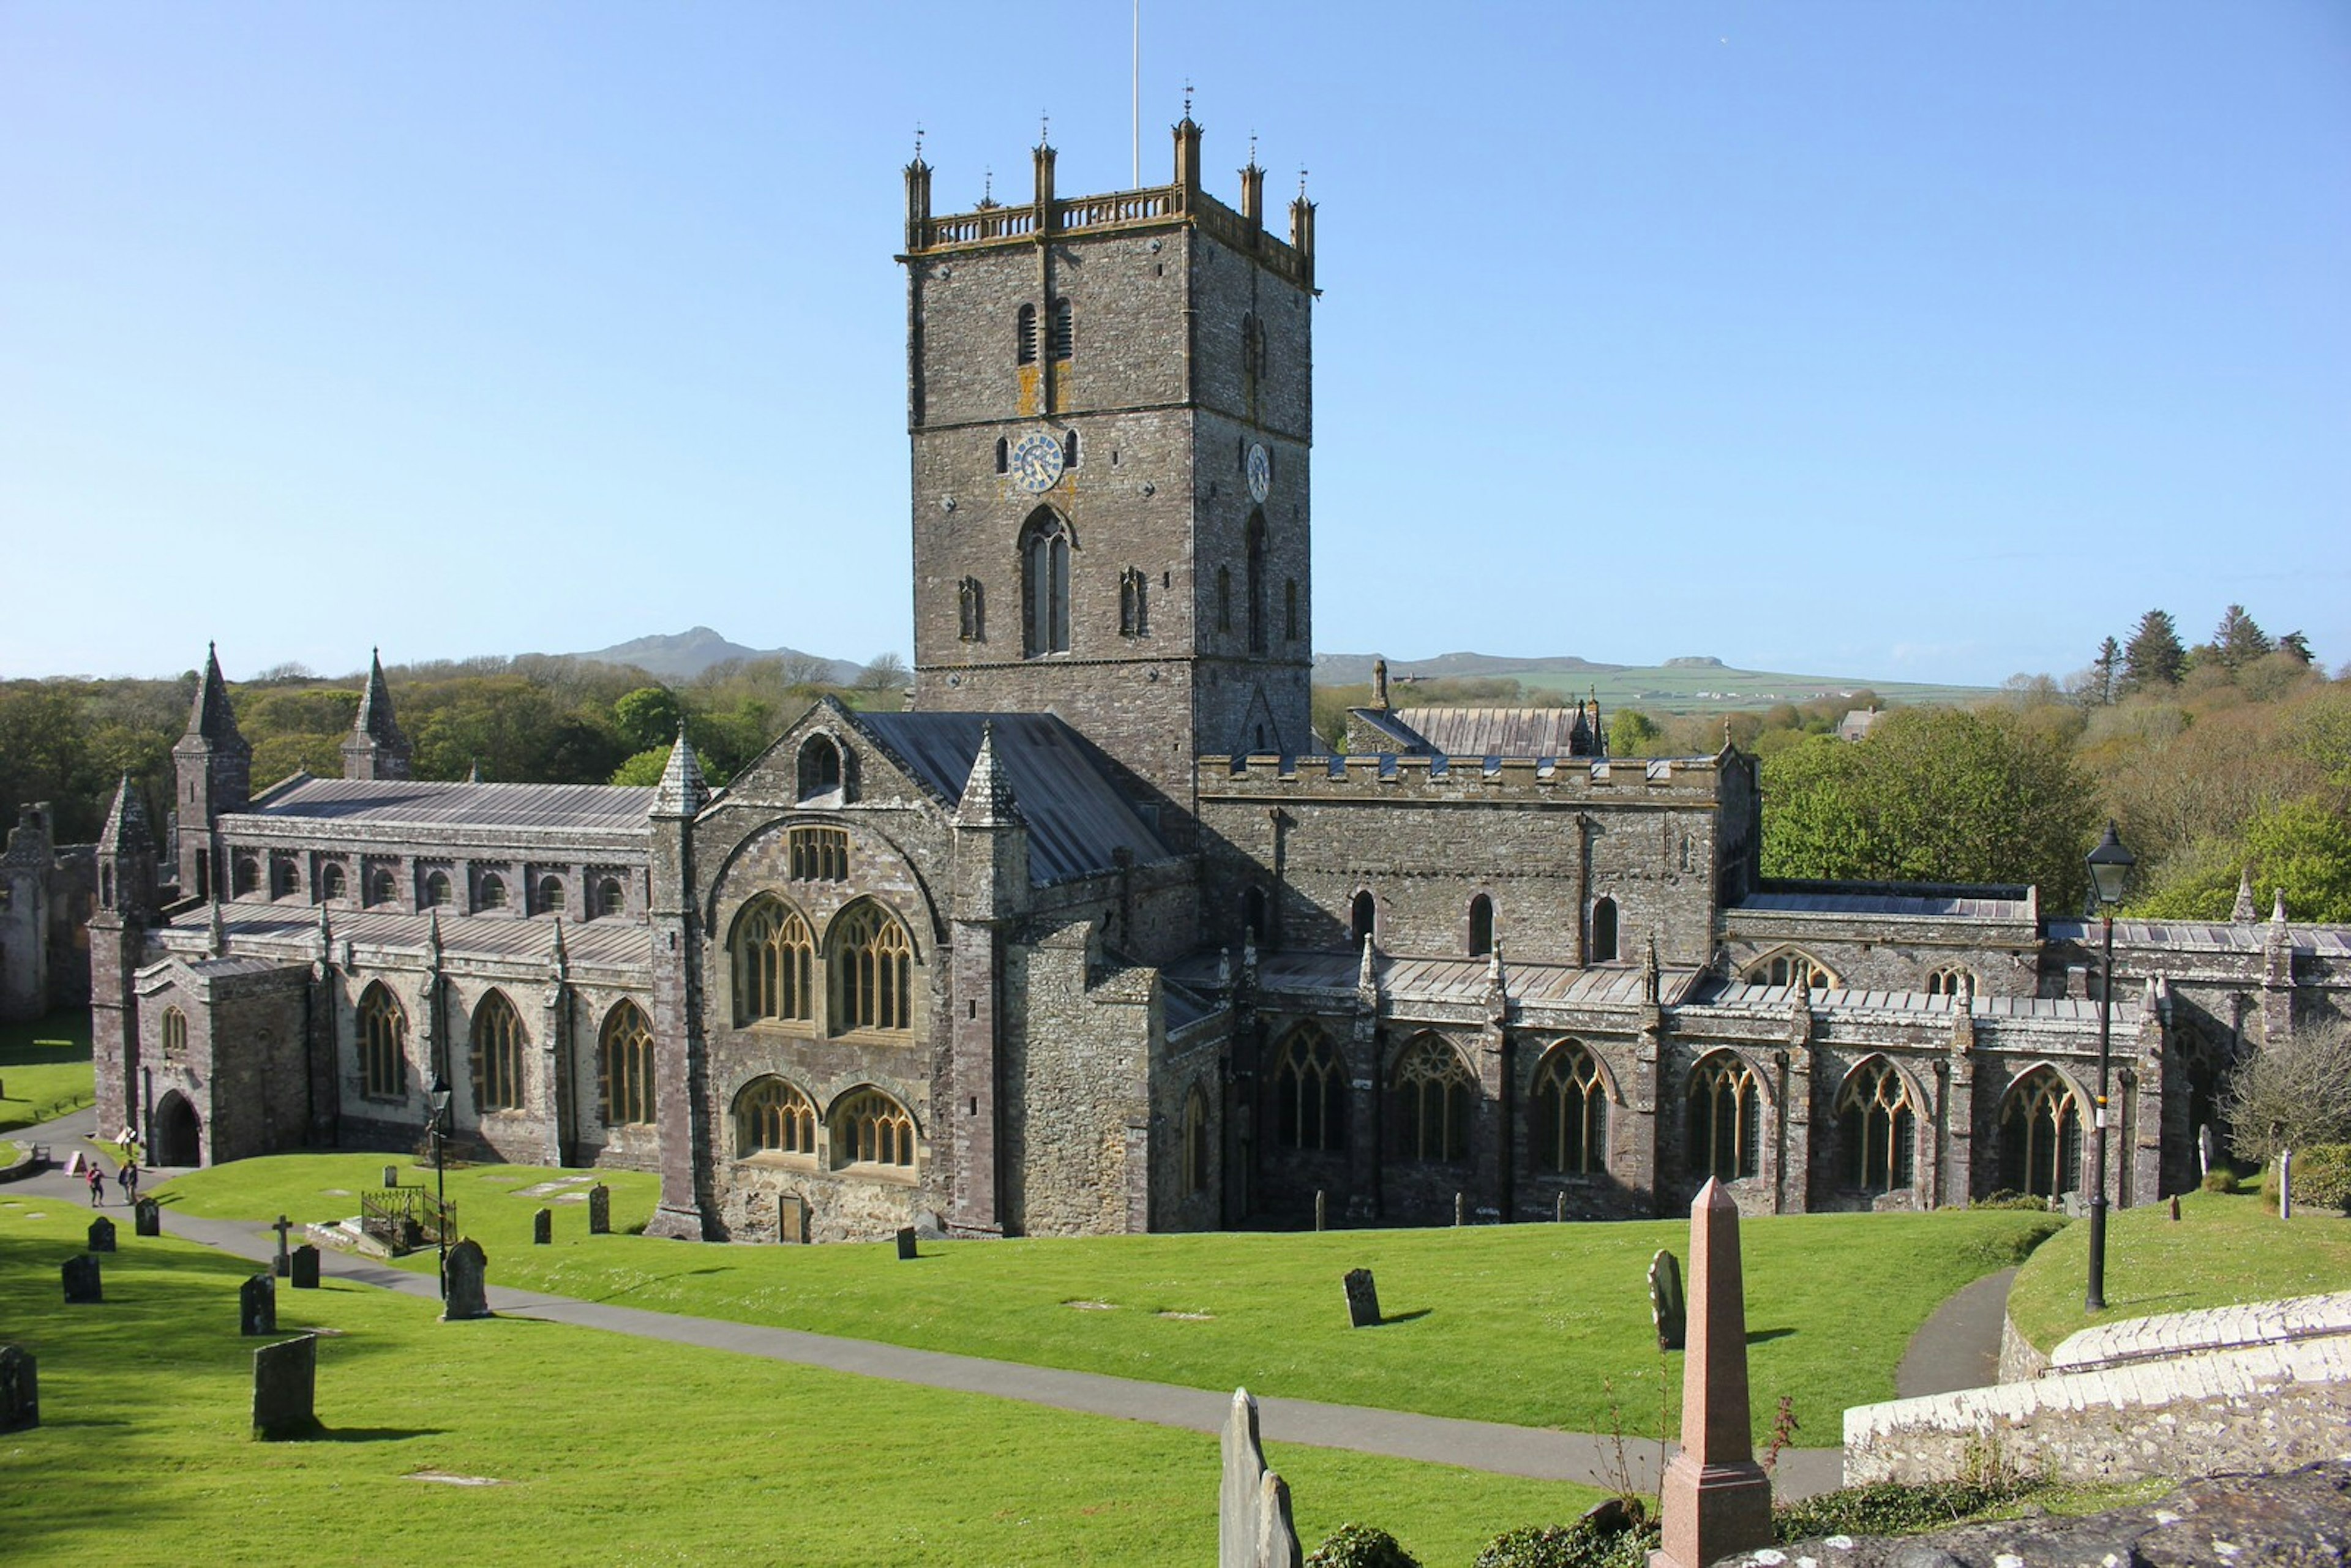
(624, 1067)
(873, 971)
(775, 964)
(1570, 1112)
(1310, 1094)
(772, 1117)
(2040, 1135)
(1877, 1128)
(498, 1055)
(869, 1128)
(1045, 585)
(1724, 1121)
(175, 1035)
(1794, 968)
(383, 1045)
(1431, 1099)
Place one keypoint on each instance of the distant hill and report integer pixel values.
(685, 655)
(1692, 684)
(1351, 669)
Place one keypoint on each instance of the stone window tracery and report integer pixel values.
(383, 1045)
(870, 1128)
(818, 854)
(1196, 1141)
(175, 1035)
(498, 1055)
(1794, 967)
(2040, 1135)
(1570, 1112)
(872, 971)
(1954, 980)
(772, 1117)
(624, 1066)
(1432, 1093)
(1877, 1128)
(1309, 1089)
(332, 883)
(1045, 585)
(775, 964)
(1724, 1118)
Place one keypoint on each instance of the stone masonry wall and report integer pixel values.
(1077, 1112)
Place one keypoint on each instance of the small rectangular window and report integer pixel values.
(820, 854)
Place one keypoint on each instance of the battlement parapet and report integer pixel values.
(1388, 776)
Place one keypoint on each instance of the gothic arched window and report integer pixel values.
(775, 961)
(819, 769)
(175, 1035)
(971, 607)
(1062, 335)
(331, 880)
(1310, 1094)
(1431, 1094)
(1045, 585)
(1196, 1141)
(383, 1045)
(1256, 582)
(2040, 1135)
(1876, 1131)
(624, 1064)
(1724, 1123)
(872, 971)
(771, 1117)
(1570, 1112)
(1361, 917)
(1604, 931)
(1481, 927)
(870, 1128)
(1954, 980)
(1794, 968)
(1024, 336)
(498, 1055)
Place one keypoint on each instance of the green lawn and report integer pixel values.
(608, 1451)
(43, 1068)
(2226, 1249)
(1543, 1325)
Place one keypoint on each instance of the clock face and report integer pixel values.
(1261, 471)
(1036, 463)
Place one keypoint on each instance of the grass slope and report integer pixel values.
(1544, 1326)
(609, 1450)
(2226, 1249)
(45, 1068)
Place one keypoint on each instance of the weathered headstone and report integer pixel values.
(286, 1386)
(1668, 1309)
(2207, 1149)
(1460, 1208)
(1715, 1497)
(600, 1210)
(468, 1283)
(792, 1218)
(256, 1306)
(82, 1283)
(284, 1266)
(906, 1242)
(1362, 1299)
(542, 1227)
(2174, 1208)
(1253, 1523)
(391, 1175)
(101, 1235)
(147, 1218)
(1559, 1208)
(305, 1268)
(2285, 1184)
(20, 1389)
(1321, 1208)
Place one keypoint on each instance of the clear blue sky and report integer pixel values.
(1902, 340)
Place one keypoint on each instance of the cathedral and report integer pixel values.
(1093, 937)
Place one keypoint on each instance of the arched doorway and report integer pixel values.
(175, 1138)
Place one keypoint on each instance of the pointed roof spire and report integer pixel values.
(558, 959)
(2244, 913)
(126, 821)
(1367, 982)
(216, 931)
(433, 937)
(2277, 908)
(374, 719)
(211, 717)
(474, 773)
(987, 792)
(681, 791)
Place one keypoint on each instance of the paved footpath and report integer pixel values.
(1589, 1459)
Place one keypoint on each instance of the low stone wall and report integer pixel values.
(27, 1162)
(2212, 1328)
(2269, 1407)
(2019, 1361)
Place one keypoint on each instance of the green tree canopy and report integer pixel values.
(1631, 733)
(2154, 656)
(647, 716)
(2301, 847)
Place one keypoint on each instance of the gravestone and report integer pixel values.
(1714, 1500)
(1321, 1208)
(2207, 1149)
(256, 1306)
(1460, 1208)
(286, 1386)
(1362, 1299)
(792, 1218)
(2285, 1184)
(2174, 1208)
(284, 1266)
(468, 1291)
(391, 1175)
(1668, 1309)
(600, 1210)
(906, 1243)
(1559, 1208)
(20, 1389)
(1253, 1523)
(101, 1235)
(82, 1283)
(305, 1268)
(542, 1227)
(147, 1218)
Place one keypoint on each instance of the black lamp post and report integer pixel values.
(440, 1097)
(2110, 863)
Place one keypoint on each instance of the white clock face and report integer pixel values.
(1036, 463)
(1261, 471)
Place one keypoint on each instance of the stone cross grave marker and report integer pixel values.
(469, 1289)
(600, 1210)
(20, 1389)
(1666, 1307)
(101, 1235)
(792, 1218)
(1253, 1523)
(1362, 1299)
(542, 1227)
(906, 1243)
(1715, 1497)
(147, 1218)
(285, 1387)
(305, 1268)
(284, 1263)
(82, 1283)
(256, 1306)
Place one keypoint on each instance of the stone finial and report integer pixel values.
(1248, 956)
(211, 718)
(987, 799)
(375, 748)
(1380, 684)
(1716, 1500)
(1224, 969)
(1650, 971)
(558, 958)
(1367, 984)
(433, 937)
(2277, 906)
(474, 771)
(2244, 913)
(681, 793)
(326, 934)
(216, 931)
(1494, 967)
(126, 822)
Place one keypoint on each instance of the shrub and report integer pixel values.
(2004, 1198)
(2221, 1178)
(2322, 1178)
(1890, 1507)
(1578, 1545)
(1360, 1546)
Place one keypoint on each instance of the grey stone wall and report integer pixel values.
(1079, 1112)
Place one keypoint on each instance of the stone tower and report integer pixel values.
(375, 748)
(1110, 404)
(215, 769)
(118, 927)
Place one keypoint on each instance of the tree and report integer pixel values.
(647, 716)
(2291, 1094)
(2154, 657)
(644, 769)
(2238, 641)
(2299, 848)
(2104, 669)
(887, 672)
(2297, 647)
(1630, 732)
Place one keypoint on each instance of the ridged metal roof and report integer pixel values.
(1777, 999)
(1948, 905)
(1448, 980)
(1076, 818)
(2207, 937)
(418, 803)
(619, 941)
(1516, 732)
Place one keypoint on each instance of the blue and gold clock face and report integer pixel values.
(1036, 463)
(1261, 471)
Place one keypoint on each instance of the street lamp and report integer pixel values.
(2110, 863)
(439, 1094)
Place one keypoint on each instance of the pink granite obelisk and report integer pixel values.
(1717, 1498)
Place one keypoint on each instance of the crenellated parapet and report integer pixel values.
(1677, 780)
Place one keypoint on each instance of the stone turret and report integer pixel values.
(678, 1068)
(375, 748)
(991, 898)
(214, 770)
(118, 936)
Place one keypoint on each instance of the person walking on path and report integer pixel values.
(97, 1179)
(128, 1177)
